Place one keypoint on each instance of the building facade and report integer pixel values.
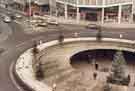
(120, 11)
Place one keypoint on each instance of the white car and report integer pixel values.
(42, 24)
(18, 16)
(7, 19)
(52, 22)
(92, 26)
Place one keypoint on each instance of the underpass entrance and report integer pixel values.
(103, 57)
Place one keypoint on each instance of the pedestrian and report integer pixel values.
(89, 59)
(95, 75)
(61, 38)
(40, 42)
(134, 84)
(129, 78)
(76, 34)
(93, 61)
(96, 66)
(121, 35)
(54, 87)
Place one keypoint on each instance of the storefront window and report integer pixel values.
(72, 12)
(126, 13)
(60, 9)
(111, 14)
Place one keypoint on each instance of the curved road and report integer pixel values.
(18, 42)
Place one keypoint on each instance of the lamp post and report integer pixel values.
(29, 15)
(29, 8)
(121, 36)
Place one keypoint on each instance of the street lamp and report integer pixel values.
(121, 36)
(29, 8)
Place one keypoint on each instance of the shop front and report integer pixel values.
(90, 14)
(72, 12)
(111, 14)
(60, 9)
(126, 13)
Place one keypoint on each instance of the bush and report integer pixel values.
(124, 81)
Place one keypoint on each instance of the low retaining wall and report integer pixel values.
(23, 67)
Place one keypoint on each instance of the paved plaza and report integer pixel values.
(78, 76)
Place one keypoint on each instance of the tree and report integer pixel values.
(119, 65)
(118, 71)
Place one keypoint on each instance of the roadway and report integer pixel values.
(18, 41)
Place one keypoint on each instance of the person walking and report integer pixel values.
(95, 75)
(96, 66)
(54, 87)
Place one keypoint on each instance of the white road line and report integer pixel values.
(12, 77)
(34, 39)
(113, 32)
(17, 22)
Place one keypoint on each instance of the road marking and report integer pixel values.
(13, 79)
(25, 42)
(17, 22)
(113, 32)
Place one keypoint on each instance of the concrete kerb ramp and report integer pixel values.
(23, 67)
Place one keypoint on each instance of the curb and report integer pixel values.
(19, 80)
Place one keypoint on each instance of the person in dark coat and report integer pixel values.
(95, 75)
(96, 66)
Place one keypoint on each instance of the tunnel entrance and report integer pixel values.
(103, 57)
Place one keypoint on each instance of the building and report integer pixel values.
(30, 7)
(120, 11)
(5, 3)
